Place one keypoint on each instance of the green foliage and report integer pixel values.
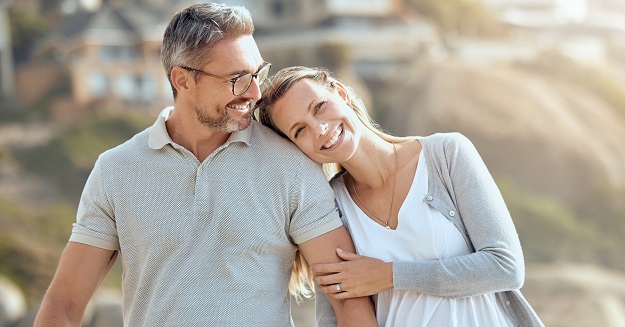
(9, 111)
(26, 29)
(29, 248)
(68, 159)
(32, 238)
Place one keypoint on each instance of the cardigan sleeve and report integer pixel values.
(466, 185)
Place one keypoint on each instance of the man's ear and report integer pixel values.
(181, 79)
(341, 89)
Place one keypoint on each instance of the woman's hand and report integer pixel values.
(356, 276)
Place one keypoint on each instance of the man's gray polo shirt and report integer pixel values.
(205, 244)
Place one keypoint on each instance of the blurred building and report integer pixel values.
(108, 59)
(584, 30)
(371, 39)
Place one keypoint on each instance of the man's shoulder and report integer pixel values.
(280, 151)
(131, 147)
(266, 139)
(266, 134)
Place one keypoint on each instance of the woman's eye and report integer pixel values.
(299, 130)
(319, 105)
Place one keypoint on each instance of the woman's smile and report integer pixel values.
(334, 138)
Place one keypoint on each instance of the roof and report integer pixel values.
(113, 25)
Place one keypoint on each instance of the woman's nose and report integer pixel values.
(322, 128)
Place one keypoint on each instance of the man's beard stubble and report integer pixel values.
(223, 122)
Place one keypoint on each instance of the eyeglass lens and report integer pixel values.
(243, 83)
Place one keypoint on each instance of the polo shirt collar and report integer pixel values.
(158, 136)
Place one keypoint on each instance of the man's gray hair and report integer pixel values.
(192, 31)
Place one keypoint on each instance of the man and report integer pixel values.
(205, 207)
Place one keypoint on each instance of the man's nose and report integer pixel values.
(253, 92)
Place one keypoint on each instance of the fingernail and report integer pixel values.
(339, 250)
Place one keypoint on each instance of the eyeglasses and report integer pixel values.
(240, 84)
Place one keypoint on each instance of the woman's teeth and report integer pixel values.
(334, 138)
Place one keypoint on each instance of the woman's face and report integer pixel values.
(319, 121)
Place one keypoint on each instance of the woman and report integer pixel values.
(436, 243)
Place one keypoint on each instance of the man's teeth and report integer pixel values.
(239, 107)
(335, 137)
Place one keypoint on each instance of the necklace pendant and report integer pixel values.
(387, 226)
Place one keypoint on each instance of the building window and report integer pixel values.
(111, 53)
(97, 84)
(125, 87)
(147, 88)
(278, 8)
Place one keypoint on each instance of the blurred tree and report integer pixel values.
(68, 158)
(50, 6)
(332, 56)
(26, 29)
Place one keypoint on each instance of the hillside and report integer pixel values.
(552, 142)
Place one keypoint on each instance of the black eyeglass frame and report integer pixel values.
(235, 79)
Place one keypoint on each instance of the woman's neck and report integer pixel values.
(373, 164)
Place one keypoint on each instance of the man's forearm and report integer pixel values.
(355, 312)
(56, 312)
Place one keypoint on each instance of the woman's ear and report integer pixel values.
(341, 89)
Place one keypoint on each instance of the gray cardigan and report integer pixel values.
(462, 189)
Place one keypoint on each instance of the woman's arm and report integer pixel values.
(497, 263)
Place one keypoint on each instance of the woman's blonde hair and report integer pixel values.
(301, 280)
(301, 283)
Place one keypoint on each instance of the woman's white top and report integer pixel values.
(422, 234)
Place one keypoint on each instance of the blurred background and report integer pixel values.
(537, 85)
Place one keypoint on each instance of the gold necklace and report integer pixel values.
(392, 195)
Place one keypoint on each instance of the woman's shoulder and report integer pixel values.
(447, 147)
(446, 139)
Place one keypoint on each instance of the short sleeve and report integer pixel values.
(95, 220)
(313, 209)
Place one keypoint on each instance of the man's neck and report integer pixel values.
(193, 135)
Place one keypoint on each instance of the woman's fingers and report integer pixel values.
(327, 279)
(326, 268)
(346, 255)
(331, 289)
